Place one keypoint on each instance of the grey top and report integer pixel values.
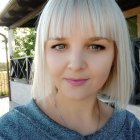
(28, 122)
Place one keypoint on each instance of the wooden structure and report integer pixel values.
(21, 13)
(24, 13)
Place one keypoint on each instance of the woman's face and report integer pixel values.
(79, 65)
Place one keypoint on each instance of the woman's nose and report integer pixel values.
(77, 61)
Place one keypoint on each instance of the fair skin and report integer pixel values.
(79, 66)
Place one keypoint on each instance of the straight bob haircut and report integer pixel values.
(58, 19)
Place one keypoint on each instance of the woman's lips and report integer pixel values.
(76, 82)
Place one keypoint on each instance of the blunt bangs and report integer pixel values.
(71, 17)
(84, 15)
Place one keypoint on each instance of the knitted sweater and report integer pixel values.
(28, 122)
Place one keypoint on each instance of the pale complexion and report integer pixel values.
(79, 66)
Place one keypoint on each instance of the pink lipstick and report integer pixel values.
(76, 82)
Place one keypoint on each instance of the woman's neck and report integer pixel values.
(82, 116)
(76, 107)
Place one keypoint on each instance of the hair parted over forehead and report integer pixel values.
(61, 18)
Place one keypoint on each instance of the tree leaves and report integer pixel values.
(24, 42)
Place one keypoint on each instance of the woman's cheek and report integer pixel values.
(55, 63)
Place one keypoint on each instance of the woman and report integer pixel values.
(82, 52)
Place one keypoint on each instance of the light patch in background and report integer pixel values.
(3, 4)
(2, 46)
(5, 103)
(2, 53)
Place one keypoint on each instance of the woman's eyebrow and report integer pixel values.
(98, 38)
(57, 39)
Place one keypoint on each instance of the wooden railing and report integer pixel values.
(20, 69)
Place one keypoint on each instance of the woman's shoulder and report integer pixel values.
(132, 121)
(129, 125)
(20, 122)
(121, 125)
(17, 113)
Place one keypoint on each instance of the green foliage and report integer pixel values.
(24, 41)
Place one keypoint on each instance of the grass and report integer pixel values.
(3, 83)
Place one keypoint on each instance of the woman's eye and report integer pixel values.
(59, 47)
(96, 47)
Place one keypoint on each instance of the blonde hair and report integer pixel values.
(58, 19)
